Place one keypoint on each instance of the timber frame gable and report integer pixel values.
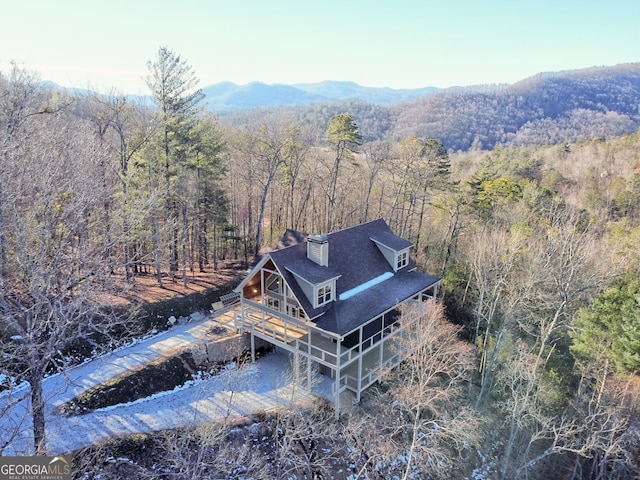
(333, 300)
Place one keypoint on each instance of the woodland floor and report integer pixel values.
(145, 288)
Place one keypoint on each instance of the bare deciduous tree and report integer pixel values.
(420, 414)
(57, 273)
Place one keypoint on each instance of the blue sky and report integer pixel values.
(377, 43)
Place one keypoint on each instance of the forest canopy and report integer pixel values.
(532, 220)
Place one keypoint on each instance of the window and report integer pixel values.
(273, 303)
(295, 312)
(402, 259)
(325, 295)
(274, 284)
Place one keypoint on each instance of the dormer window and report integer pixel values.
(402, 259)
(394, 249)
(317, 283)
(324, 294)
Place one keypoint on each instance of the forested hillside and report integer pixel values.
(545, 109)
(532, 367)
(229, 96)
(542, 110)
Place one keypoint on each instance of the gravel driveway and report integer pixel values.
(264, 384)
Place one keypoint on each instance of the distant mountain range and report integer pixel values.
(547, 108)
(230, 96)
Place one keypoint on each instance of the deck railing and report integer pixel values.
(352, 353)
(370, 377)
(287, 332)
(298, 336)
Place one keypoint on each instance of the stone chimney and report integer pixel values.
(318, 249)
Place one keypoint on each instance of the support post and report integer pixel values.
(253, 346)
(360, 350)
(337, 380)
(359, 376)
(308, 357)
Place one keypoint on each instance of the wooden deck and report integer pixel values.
(353, 369)
(292, 334)
(358, 367)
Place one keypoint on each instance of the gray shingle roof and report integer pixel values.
(355, 258)
(310, 271)
(392, 241)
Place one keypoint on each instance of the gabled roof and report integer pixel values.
(391, 241)
(362, 270)
(311, 271)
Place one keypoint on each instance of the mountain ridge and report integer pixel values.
(231, 96)
(546, 108)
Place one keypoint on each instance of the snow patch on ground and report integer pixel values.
(236, 391)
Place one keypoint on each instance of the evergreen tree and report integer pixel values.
(609, 329)
(173, 85)
(342, 133)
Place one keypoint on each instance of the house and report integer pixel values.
(333, 301)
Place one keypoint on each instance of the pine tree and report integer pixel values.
(609, 329)
(173, 85)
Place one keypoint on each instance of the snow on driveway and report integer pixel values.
(235, 392)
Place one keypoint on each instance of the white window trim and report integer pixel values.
(273, 303)
(331, 296)
(404, 255)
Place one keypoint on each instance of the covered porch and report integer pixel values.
(354, 361)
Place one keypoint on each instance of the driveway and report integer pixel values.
(263, 385)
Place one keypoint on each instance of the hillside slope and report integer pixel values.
(546, 108)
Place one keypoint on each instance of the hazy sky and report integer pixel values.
(377, 43)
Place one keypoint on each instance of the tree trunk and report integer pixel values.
(451, 240)
(292, 190)
(174, 256)
(332, 195)
(185, 236)
(156, 247)
(200, 235)
(37, 410)
(367, 197)
(263, 203)
(510, 442)
(154, 225)
(486, 373)
(215, 247)
(421, 217)
(3, 240)
(106, 212)
(3, 250)
(603, 383)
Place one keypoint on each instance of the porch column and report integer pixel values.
(253, 347)
(284, 296)
(262, 297)
(308, 357)
(360, 349)
(337, 380)
(243, 313)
